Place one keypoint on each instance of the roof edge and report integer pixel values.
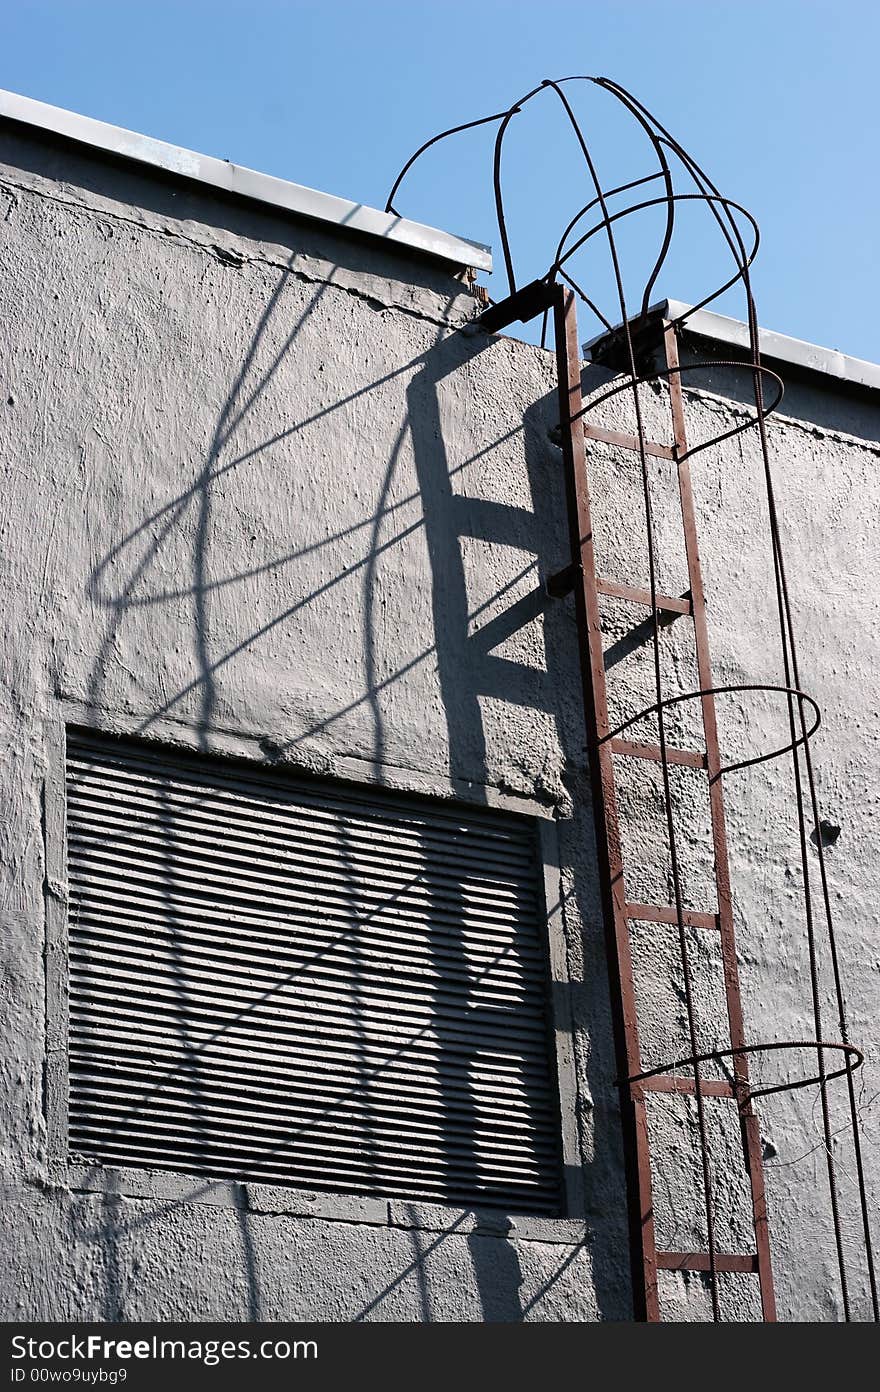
(795, 353)
(245, 183)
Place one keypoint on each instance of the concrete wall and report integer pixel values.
(266, 493)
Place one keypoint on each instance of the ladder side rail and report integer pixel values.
(608, 842)
(733, 995)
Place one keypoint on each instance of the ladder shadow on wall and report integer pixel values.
(468, 669)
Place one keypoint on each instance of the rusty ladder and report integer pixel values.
(582, 579)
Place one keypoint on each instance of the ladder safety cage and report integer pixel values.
(632, 350)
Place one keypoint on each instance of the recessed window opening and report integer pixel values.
(284, 981)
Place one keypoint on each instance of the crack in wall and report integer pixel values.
(234, 256)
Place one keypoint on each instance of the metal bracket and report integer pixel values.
(562, 582)
(521, 306)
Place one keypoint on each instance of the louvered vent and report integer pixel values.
(297, 983)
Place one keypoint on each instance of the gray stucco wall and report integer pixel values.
(266, 494)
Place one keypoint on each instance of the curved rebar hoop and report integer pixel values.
(435, 139)
(721, 691)
(606, 222)
(724, 213)
(854, 1059)
(661, 373)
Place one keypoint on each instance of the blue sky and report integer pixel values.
(778, 101)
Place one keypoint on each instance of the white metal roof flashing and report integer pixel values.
(775, 347)
(245, 183)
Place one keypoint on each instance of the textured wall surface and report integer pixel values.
(266, 493)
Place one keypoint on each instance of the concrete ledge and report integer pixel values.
(276, 1200)
(303, 1203)
(527, 1227)
(808, 359)
(151, 1184)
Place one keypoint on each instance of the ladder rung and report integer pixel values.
(626, 441)
(691, 758)
(662, 913)
(674, 1082)
(635, 595)
(699, 1261)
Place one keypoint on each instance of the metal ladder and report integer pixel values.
(587, 584)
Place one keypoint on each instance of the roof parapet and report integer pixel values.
(245, 183)
(806, 359)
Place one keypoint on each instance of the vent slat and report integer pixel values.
(290, 982)
(413, 934)
(336, 844)
(402, 1093)
(473, 1190)
(311, 1131)
(155, 807)
(198, 884)
(106, 1017)
(412, 820)
(219, 942)
(340, 970)
(342, 963)
(502, 1031)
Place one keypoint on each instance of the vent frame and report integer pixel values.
(140, 1179)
